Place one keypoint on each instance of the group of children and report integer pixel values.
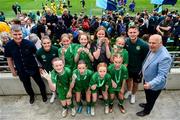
(74, 73)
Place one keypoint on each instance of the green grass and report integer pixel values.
(34, 5)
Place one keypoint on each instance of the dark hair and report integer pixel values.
(81, 62)
(133, 27)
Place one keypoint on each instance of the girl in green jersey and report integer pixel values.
(119, 74)
(80, 82)
(100, 81)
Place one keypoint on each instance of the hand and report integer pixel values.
(48, 24)
(86, 51)
(88, 46)
(106, 41)
(63, 50)
(45, 75)
(114, 85)
(147, 86)
(14, 73)
(80, 50)
(69, 94)
(93, 87)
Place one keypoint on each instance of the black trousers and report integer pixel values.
(25, 78)
(151, 97)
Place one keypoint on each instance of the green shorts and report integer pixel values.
(81, 89)
(62, 92)
(81, 86)
(103, 88)
(113, 90)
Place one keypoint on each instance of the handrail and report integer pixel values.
(174, 54)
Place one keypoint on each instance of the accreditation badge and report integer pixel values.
(138, 48)
(43, 56)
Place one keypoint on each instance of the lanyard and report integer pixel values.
(79, 76)
(100, 81)
(117, 79)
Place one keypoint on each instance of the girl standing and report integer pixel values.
(83, 51)
(100, 47)
(119, 74)
(100, 81)
(80, 82)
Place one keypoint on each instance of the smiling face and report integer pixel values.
(102, 71)
(66, 42)
(17, 36)
(101, 34)
(133, 34)
(82, 68)
(58, 66)
(83, 40)
(46, 44)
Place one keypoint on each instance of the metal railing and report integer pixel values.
(176, 59)
(4, 68)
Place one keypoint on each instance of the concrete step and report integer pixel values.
(10, 85)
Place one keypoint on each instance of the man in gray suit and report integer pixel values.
(155, 69)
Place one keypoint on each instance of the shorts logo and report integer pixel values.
(137, 47)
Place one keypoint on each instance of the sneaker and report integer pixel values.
(133, 99)
(88, 110)
(121, 108)
(79, 110)
(64, 112)
(52, 97)
(106, 109)
(92, 111)
(127, 94)
(73, 111)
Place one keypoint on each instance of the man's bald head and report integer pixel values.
(157, 37)
(155, 42)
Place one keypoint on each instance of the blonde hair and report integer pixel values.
(101, 65)
(120, 38)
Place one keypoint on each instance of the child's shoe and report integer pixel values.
(92, 111)
(88, 110)
(73, 111)
(64, 113)
(106, 109)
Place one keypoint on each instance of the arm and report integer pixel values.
(122, 87)
(165, 28)
(158, 30)
(11, 66)
(96, 53)
(69, 94)
(47, 76)
(163, 69)
(76, 58)
(108, 53)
